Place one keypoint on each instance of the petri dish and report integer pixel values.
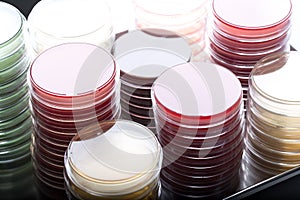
(46, 162)
(57, 124)
(14, 110)
(48, 144)
(236, 67)
(8, 124)
(93, 25)
(15, 131)
(136, 90)
(68, 112)
(207, 83)
(144, 120)
(9, 63)
(10, 98)
(49, 178)
(115, 179)
(126, 103)
(193, 141)
(14, 24)
(275, 143)
(77, 115)
(287, 157)
(50, 155)
(199, 130)
(203, 156)
(14, 84)
(169, 7)
(266, 82)
(245, 56)
(203, 181)
(184, 20)
(137, 110)
(136, 100)
(154, 38)
(58, 63)
(239, 20)
(15, 141)
(142, 66)
(54, 136)
(15, 153)
(253, 45)
(188, 170)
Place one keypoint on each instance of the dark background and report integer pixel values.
(24, 6)
(282, 187)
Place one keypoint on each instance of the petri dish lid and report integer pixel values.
(144, 65)
(99, 155)
(69, 18)
(201, 92)
(11, 19)
(252, 14)
(171, 7)
(276, 80)
(156, 38)
(72, 69)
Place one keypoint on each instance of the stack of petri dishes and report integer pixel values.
(53, 22)
(15, 121)
(139, 69)
(273, 119)
(71, 86)
(142, 57)
(199, 117)
(185, 19)
(243, 32)
(97, 167)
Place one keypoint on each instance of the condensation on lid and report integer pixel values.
(152, 38)
(10, 22)
(125, 151)
(277, 76)
(148, 63)
(252, 13)
(72, 69)
(197, 89)
(69, 18)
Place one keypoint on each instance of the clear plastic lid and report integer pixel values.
(97, 158)
(81, 17)
(155, 38)
(72, 70)
(144, 65)
(200, 93)
(11, 21)
(53, 22)
(169, 7)
(252, 18)
(274, 83)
